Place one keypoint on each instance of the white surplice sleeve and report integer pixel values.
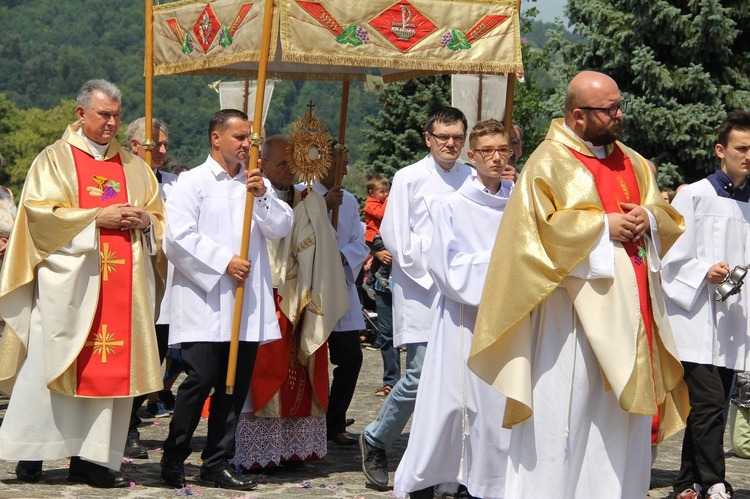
(600, 262)
(196, 255)
(350, 236)
(272, 215)
(408, 248)
(459, 275)
(684, 274)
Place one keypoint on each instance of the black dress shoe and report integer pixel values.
(349, 421)
(427, 493)
(172, 472)
(226, 479)
(134, 448)
(342, 439)
(95, 475)
(29, 471)
(292, 465)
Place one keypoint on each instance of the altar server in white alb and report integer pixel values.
(206, 210)
(407, 234)
(456, 436)
(343, 343)
(712, 337)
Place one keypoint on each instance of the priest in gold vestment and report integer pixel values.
(572, 325)
(77, 295)
(283, 420)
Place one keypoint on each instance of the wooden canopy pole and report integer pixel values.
(149, 143)
(340, 149)
(246, 95)
(509, 89)
(255, 141)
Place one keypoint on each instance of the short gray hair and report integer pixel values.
(85, 95)
(137, 130)
(270, 142)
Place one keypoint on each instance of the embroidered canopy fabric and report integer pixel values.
(337, 39)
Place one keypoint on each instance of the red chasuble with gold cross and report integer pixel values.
(103, 365)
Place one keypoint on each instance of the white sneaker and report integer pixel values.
(718, 491)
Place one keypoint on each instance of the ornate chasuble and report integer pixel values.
(103, 365)
(615, 182)
(281, 379)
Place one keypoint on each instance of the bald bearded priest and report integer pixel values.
(572, 325)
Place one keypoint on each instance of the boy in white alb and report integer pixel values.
(456, 437)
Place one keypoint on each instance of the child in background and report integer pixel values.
(377, 189)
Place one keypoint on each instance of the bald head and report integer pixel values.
(587, 88)
(591, 108)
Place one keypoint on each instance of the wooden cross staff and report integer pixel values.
(340, 150)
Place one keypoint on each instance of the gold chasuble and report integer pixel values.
(290, 378)
(88, 292)
(553, 219)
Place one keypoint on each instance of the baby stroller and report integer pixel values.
(370, 333)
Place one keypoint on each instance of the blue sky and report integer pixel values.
(548, 9)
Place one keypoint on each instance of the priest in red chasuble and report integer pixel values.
(581, 344)
(77, 295)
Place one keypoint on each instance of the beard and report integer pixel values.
(601, 135)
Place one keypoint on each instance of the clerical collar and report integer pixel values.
(725, 188)
(97, 150)
(598, 151)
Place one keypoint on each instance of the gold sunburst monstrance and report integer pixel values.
(309, 147)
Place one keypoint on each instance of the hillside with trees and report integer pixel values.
(682, 65)
(51, 48)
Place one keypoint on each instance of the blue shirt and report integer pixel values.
(724, 186)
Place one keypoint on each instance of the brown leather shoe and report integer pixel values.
(342, 439)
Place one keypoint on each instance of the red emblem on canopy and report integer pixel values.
(403, 25)
(206, 27)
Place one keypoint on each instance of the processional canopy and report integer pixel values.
(338, 40)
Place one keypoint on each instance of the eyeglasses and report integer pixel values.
(611, 111)
(489, 152)
(282, 165)
(445, 138)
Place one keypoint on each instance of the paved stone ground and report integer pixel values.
(338, 476)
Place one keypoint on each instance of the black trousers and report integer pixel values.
(205, 364)
(703, 444)
(162, 341)
(346, 354)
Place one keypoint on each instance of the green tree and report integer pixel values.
(530, 94)
(682, 64)
(25, 133)
(395, 134)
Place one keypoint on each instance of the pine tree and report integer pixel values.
(682, 63)
(395, 134)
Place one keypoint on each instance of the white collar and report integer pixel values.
(97, 150)
(217, 169)
(598, 151)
